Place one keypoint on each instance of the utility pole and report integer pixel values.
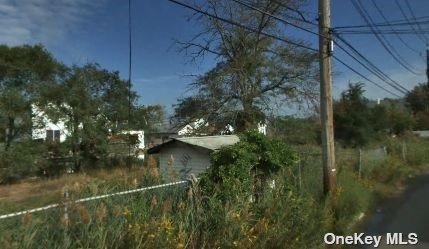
(326, 110)
(427, 64)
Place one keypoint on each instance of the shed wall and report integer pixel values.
(185, 159)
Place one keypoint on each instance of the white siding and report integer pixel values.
(186, 159)
(41, 123)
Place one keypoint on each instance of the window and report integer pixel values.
(53, 136)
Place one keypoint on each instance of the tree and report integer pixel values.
(148, 117)
(352, 117)
(418, 102)
(295, 130)
(94, 103)
(358, 120)
(251, 70)
(25, 71)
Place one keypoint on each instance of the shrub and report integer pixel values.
(22, 159)
(237, 169)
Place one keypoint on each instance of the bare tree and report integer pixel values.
(252, 69)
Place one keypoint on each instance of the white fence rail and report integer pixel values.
(4, 216)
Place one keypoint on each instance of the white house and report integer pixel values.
(44, 128)
(191, 128)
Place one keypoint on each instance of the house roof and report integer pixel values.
(207, 142)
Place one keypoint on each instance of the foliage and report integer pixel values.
(351, 117)
(295, 130)
(179, 217)
(251, 71)
(418, 102)
(358, 121)
(92, 102)
(23, 159)
(25, 71)
(235, 168)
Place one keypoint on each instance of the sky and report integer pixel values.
(81, 31)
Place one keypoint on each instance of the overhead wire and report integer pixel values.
(372, 68)
(417, 24)
(383, 41)
(391, 28)
(363, 76)
(403, 22)
(241, 25)
(398, 88)
(408, 20)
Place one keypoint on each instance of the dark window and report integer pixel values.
(52, 135)
(49, 135)
(56, 135)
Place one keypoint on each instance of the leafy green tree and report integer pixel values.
(25, 71)
(358, 120)
(352, 117)
(251, 69)
(418, 102)
(294, 130)
(93, 102)
(148, 117)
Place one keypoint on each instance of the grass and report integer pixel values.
(293, 214)
(29, 194)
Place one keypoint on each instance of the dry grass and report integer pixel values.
(33, 193)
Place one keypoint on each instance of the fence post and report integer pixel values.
(360, 163)
(299, 175)
(404, 151)
(66, 217)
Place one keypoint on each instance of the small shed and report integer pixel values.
(180, 157)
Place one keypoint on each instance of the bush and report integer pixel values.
(238, 169)
(22, 159)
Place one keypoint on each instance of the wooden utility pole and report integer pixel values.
(427, 64)
(326, 110)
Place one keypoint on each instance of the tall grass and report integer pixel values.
(293, 214)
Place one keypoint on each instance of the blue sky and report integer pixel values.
(82, 31)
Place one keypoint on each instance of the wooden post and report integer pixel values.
(326, 110)
(360, 163)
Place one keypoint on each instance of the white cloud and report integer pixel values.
(42, 21)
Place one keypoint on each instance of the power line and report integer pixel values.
(403, 90)
(406, 18)
(287, 41)
(303, 19)
(414, 17)
(373, 71)
(383, 32)
(275, 17)
(363, 76)
(309, 31)
(372, 68)
(385, 43)
(241, 25)
(391, 28)
(402, 22)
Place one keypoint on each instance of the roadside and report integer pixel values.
(406, 212)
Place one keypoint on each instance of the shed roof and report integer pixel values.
(207, 142)
(424, 133)
(210, 142)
